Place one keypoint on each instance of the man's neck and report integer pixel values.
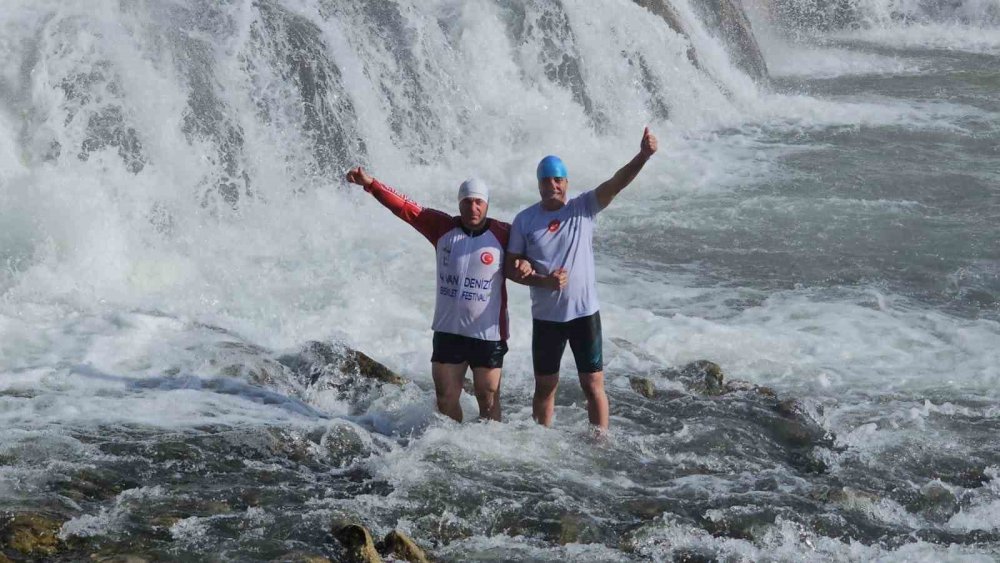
(477, 230)
(553, 204)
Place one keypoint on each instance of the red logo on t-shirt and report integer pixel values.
(486, 258)
(554, 225)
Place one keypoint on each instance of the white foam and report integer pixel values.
(932, 35)
(803, 60)
(983, 512)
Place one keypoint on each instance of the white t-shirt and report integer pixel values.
(560, 239)
(471, 290)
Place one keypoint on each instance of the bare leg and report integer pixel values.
(597, 400)
(487, 385)
(448, 387)
(543, 405)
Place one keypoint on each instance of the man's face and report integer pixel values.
(553, 190)
(473, 212)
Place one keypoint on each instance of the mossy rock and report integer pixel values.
(402, 547)
(643, 386)
(370, 368)
(704, 376)
(357, 541)
(31, 534)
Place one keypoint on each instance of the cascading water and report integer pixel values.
(821, 219)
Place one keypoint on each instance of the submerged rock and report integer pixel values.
(400, 546)
(94, 484)
(33, 535)
(937, 502)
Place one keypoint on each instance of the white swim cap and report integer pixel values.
(474, 187)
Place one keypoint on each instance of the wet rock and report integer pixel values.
(729, 22)
(34, 535)
(371, 369)
(560, 57)
(353, 376)
(648, 508)
(685, 555)
(971, 478)
(94, 484)
(669, 14)
(569, 529)
(937, 502)
(701, 377)
(399, 545)
(298, 53)
(320, 359)
(165, 521)
(739, 526)
(796, 427)
(807, 462)
(643, 386)
(740, 386)
(250, 497)
(849, 497)
(792, 16)
(357, 541)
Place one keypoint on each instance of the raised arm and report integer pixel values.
(610, 188)
(429, 222)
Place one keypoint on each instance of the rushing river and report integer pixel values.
(174, 230)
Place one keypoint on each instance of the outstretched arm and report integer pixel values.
(610, 188)
(518, 269)
(429, 222)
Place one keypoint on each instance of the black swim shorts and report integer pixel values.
(548, 342)
(456, 349)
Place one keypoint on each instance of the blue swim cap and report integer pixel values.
(551, 167)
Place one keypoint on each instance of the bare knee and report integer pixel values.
(448, 394)
(545, 386)
(592, 385)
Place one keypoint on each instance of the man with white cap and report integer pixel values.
(470, 314)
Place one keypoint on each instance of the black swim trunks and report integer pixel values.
(456, 349)
(548, 342)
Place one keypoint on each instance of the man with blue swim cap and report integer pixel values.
(551, 250)
(551, 167)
